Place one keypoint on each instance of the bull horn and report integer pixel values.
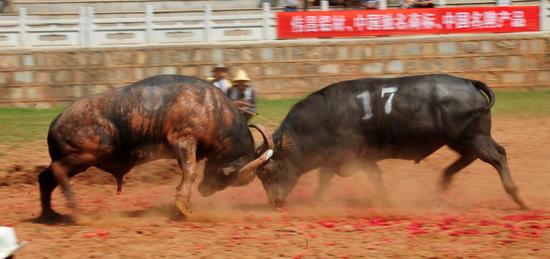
(268, 140)
(247, 173)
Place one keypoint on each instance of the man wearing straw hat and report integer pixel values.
(243, 94)
(219, 78)
(8, 243)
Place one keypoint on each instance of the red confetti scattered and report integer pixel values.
(486, 222)
(312, 235)
(507, 242)
(415, 228)
(330, 244)
(102, 232)
(522, 217)
(89, 235)
(358, 227)
(511, 227)
(298, 257)
(464, 232)
(378, 222)
(449, 220)
(327, 223)
(535, 234)
(536, 226)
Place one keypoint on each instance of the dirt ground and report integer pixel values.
(476, 220)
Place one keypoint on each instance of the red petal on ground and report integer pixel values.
(535, 234)
(312, 235)
(511, 227)
(523, 217)
(330, 244)
(449, 220)
(487, 222)
(102, 232)
(358, 227)
(536, 226)
(89, 235)
(418, 232)
(444, 226)
(378, 222)
(327, 223)
(415, 228)
(506, 242)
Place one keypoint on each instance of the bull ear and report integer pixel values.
(286, 142)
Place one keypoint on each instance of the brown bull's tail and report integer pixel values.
(487, 91)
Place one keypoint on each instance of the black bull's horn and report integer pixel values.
(264, 152)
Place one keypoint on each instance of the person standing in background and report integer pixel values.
(219, 80)
(291, 5)
(243, 95)
(3, 5)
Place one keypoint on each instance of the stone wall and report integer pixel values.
(279, 69)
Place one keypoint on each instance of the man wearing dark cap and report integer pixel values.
(220, 73)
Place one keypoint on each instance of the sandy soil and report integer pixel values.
(477, 220)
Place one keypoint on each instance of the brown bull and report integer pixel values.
(165, 116)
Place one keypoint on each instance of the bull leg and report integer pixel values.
(325, 176)
(375, 175)
(47, 184)
(68, 167)
(59, 173)
(491, 152)
(461, 163)
(187, 160)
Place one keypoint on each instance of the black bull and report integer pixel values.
(370, 119)
(166, 116)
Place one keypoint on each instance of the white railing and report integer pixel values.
(86, 30)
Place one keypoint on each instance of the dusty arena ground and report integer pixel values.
(477, 219)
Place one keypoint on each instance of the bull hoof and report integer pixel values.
(524, 207)
(183, 207)
(277, 204)
(52, 217)
(175, 214)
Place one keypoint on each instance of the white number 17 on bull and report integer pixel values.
(365, 97)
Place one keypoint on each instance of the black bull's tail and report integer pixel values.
(487, 91)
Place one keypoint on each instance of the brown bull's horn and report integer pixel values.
(247, 173)
(268, 140)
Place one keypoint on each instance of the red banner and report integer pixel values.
(407, 21)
